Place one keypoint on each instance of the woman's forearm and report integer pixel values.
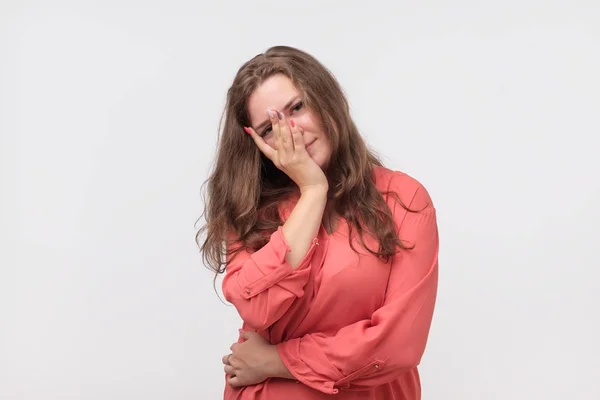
(303, 224)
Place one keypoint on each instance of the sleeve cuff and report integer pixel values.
(271, 268)
(289, 352)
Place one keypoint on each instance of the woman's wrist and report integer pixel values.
(319, 188)
(276, 367)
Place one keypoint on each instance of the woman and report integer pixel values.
(331, 258)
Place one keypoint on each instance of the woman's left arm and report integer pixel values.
(377, 350)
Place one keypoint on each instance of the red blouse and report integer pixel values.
(344, 323)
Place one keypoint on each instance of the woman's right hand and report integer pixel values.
(289, 154)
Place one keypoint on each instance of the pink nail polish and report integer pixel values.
(247, 130)
(292, 123)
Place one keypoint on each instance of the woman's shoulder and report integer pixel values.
(408, 188)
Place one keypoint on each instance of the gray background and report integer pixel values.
(109, 112)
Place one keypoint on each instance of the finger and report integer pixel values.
(226, 358)
(234, 381)
(287, 143)
(233, 347)
(274, 117)
(260, 143)
(249, 334)
(229, 370)
(297, 136)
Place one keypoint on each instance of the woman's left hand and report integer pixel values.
(251, 361)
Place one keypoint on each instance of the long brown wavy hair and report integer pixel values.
(245, 188)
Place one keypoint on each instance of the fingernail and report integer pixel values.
(280, 115)
(271, 114)
(247, 130)
(292, 123)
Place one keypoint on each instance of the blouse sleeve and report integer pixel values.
(262, 285)
(377, 350)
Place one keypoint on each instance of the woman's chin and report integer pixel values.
(318, 161)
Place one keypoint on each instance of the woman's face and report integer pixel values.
(279, 93)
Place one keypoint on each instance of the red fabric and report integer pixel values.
(344, 323)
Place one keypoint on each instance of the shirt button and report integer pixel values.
(247, 291)
(376, 366)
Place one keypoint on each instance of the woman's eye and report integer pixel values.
(297, 107)
(266, 131)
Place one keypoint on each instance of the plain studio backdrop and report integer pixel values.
(109, 116)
